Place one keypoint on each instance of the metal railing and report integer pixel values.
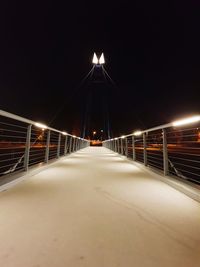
(173, 148)
(24, 143)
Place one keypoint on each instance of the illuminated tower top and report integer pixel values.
(99, 61)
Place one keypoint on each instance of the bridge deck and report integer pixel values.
(95, 209)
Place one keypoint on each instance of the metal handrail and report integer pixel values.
(175, 152)
(54, 143)
(21, 119)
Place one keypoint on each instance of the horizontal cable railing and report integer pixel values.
(24, 143)
(173, 148)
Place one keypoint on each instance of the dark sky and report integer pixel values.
(151, 50)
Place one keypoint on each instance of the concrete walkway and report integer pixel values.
(94, 209)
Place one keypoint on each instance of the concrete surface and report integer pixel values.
(95, 209)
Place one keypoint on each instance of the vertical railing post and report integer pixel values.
(77, 144)
(165, 153)
(133, 147)
(58, 146)
(115, 145)
(70, 145)
(47, 146)
(121, 145)
(126, 142)
(27, 148)
(74, 141)
(145, 148)
(65, 146)
(118, 146)
(74, 145)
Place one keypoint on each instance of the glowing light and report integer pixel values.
(40, 125)
(64, 133)
(102, 59)
(123, 136)
(137, 133)
(95, 59)
(94, 132)
(116, 138)
(186, 121)
(74, 136)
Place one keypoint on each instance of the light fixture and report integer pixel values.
(99, 61)
(186, 121)
(95, 59)
(40, 125)
(137, 133)
(102, 59)
(64, 133)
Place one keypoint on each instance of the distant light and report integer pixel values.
(186, 121)
(94, 132)
(102, 59)
(116, 138)
(74, 136)
(95, 59)
(101, 131)
(40, 125)
(123, 136)
(64, 133)
(137, 133)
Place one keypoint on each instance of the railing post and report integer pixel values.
(118, 145)
(74, 141)
(70, 145)
(27, 148)
(122, 146)
(165, 153)
(77, 144)
(133, 147)
(126, 142)
(145, 148)
(115, 145)
(65, 146)
(58, 147)
(47, 146)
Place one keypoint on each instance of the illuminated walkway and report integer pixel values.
(94, 209)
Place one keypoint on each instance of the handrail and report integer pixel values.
(22, 146)
(160, 127)
(21, 119)
(170, 147)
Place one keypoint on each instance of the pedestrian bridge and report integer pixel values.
(132, 202)
(94, 208)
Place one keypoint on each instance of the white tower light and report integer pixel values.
(102, 59)
(95, 59)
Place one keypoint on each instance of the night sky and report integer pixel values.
(151, 51)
